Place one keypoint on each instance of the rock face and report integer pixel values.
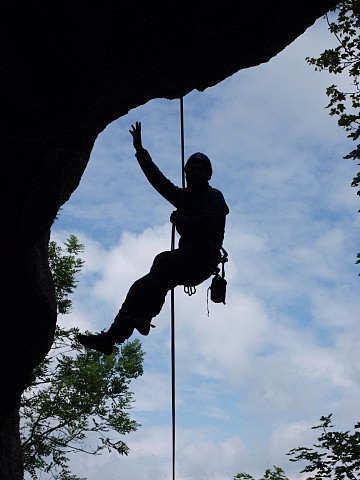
(70, 68)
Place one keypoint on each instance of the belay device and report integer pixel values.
(218, 283)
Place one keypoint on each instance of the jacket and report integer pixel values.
(202, 212)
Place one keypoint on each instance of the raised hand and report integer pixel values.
(136, 134)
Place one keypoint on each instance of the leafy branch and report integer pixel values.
(344, 60)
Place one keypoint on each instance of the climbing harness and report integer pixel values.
(217, 288)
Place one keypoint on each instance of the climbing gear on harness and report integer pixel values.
(218, 283)
(189, 289)
(218, 289)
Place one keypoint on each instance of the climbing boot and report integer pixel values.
(121, 328)
(102, 342)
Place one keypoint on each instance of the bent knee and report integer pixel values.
(161, 261)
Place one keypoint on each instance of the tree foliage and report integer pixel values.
(65, 264)
(276, 474)
(336, 456)
(75, 393)
(344, 60)
(77, 401)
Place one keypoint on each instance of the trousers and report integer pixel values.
(181, 266)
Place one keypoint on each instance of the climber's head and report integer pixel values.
(198, 169)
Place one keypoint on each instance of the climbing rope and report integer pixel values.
(173, 295)
(173, 361)
(182, 142)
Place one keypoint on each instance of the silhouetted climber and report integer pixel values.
(200, 222)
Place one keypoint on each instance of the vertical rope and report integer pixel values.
(173, 361)
(182, 142)
(173, 298)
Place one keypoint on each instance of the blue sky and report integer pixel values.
(255, 374)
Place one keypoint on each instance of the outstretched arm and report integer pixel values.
(136, 134)
(157, 179)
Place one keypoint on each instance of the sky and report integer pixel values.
(253, 375)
